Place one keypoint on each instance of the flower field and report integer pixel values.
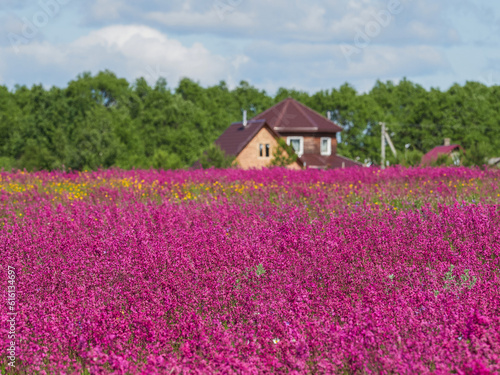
(247, 272)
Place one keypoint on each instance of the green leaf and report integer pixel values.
(260, 270)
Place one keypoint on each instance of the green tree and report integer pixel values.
(215, 157)
(164, 160)
(477, 155)
(101, 120)
(411, 158)
(283, 155)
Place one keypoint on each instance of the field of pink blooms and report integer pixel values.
(354, 271)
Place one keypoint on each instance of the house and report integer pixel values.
(312, 136)
(448, 149)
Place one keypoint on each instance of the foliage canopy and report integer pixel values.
(102, 121)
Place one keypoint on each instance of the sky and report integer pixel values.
(306, 45)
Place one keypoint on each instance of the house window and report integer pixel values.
(297, 143)
(266, 147)
(326, 146)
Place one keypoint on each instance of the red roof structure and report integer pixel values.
(433, 154)
(289, 115)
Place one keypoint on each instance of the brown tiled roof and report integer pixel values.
(332, 161)
(237, 136)
(289, 115)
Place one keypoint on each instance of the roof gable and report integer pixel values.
(289, 115)
(237, 136)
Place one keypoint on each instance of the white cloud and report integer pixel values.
(107, 9)
(332, 21)
(133, 51)
(269, 43)
(130, 51)
(214, 18)
(313, 67)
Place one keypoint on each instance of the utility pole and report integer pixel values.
(383, 145)
(385, 137)
(388, 139)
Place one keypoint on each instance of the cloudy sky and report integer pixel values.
(302, 44)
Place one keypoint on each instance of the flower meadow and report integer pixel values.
(353, 271)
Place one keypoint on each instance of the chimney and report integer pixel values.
(245, 122)
(329, 115)
(447, 141)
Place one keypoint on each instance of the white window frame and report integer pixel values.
(328, 148)
(301, 147)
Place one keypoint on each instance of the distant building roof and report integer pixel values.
(289, 115)
(332, 161)
(433, 154)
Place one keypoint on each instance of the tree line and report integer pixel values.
(102, 121)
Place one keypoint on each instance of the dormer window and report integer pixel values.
(326, 146)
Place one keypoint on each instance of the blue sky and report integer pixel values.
(303, 44)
